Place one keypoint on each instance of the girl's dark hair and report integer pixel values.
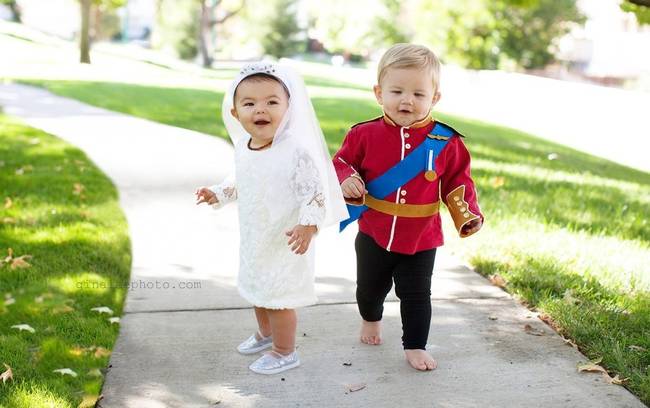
(261, 77)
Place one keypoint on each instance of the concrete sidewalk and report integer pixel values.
(177, 342)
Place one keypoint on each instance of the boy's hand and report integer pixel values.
(300, 237)
(471, 227)
(353, 187)
(205, 195)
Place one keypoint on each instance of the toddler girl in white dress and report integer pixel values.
(286, 189)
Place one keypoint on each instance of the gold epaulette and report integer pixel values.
(367, 121)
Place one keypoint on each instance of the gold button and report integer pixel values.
(456, 198)
(458, 203)
(403, 192)
(466, 215)
(408, 146)
(462, 209)
(402, 200)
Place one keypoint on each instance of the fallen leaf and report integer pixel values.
(498, 280)
(354, 387)
(62, 309)
(492, 317)
(592, 367)
(22, 327)
(568, 297)
(65, 371)
(637, 348)
(114, 320)
(20, 171)
(498, 181)
(77, 351)
(552, 156)
(78, 189)
(8, 202)
(88, 401)
(102, 309)
(533, 331)
(570, 342)
(617, 380)
(8, 220)
(8, 374)
(95, 372)
(20, 262)
(34, 141)
(102, 352)
(10, 301)
(9, 257)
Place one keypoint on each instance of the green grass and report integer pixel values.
(567, 231)
(59, 209)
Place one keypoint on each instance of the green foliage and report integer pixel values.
(484, 34)
(642, 13)
(527, 32)
(281, 38)
(110, 3)
(388, 28)
(177, 27)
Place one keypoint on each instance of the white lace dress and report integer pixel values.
(283, 178)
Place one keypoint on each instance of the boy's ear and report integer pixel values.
(233, 112)
(436, 98)
(377, 89)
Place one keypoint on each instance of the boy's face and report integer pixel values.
(406, 94)
(260, 106)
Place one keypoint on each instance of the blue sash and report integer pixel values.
(419, 160)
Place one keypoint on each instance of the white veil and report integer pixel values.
(299, 126)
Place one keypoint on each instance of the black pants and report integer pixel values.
(376, 269)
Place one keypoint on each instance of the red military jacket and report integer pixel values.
(371, 148)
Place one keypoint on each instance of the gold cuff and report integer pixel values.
(459, 208)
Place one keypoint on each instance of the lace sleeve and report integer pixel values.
(308, 189)
(226, 192)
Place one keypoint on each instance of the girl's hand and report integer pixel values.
(471, 227)
(353, 187)
(205, 195)
(300, 237)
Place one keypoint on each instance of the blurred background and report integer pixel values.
(604, 41)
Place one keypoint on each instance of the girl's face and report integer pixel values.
(406, 94)
(260, 105)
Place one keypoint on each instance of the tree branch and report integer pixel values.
(644, 3)
(229, 14)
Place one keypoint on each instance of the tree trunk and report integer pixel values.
(204, 35)
(84, 36)
(644, 3)
(15, 12)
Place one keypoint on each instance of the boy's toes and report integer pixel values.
(431, 365)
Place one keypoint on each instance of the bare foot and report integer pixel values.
(420, 360)
(371, 332)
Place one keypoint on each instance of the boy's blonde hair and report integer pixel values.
(410, 56)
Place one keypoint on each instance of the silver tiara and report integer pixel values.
(258, 68)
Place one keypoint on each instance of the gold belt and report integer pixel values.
(401, 210)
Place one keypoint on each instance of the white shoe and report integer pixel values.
(273, 363)
(251, 345)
